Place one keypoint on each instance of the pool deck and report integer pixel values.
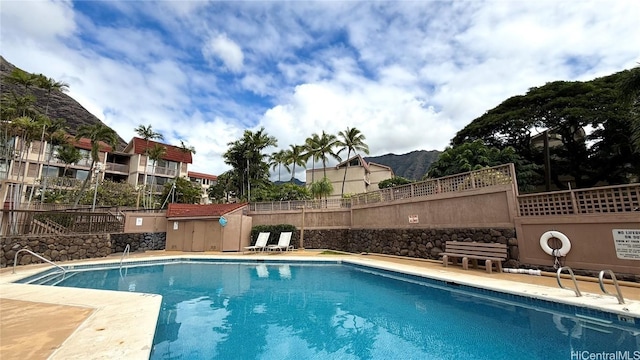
(45, 322)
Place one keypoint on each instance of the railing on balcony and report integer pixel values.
(162, 171)
(606, 199)
(122, 168)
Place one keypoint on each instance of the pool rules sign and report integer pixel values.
(627, 243)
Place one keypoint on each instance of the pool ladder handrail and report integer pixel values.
(573, 277)
(15, 261)
(126, 251)
(615, 283)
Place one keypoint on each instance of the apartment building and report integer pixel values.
(29, 163)
(361, 176)
(205, 181)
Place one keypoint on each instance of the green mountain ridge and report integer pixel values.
(61, 105)
(413, 165)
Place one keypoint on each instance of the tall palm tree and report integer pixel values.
(96, 133)
(155, 153)
(353, 141)
(186, 148)
(55, 136)
(311, 145)
(50, 85)
(21, 77)
(68, 154)
(147, 133)
(247, 160)
(277, 159)
(325, 150)
(295, 156)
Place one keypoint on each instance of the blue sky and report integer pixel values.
(408, 74)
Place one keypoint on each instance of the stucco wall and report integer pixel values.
(591, 237)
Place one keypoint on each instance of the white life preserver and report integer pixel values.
(544, 243)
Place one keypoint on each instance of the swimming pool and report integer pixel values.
(329, 310)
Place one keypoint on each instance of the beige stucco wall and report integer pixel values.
(313, 218)
(476, 208)
(591, 237)
(138, 222)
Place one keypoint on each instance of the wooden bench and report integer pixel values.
(491, 253)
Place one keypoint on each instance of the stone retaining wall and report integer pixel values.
(54, 248)
(417, 243)
(138, 241)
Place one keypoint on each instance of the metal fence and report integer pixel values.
(488, 177)
(23, 222)
(606, 199)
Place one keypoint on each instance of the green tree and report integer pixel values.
(277, 160)
(351, 140)
(50, 85)
(393, 182)
(97, 134)
(295, 155)
(324, 150)
(68, 154)
(251, 170)
(221, 190)
(187, 148)
(185, 192)
(322, 187)
(566, 109)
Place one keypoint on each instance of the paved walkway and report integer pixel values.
(35, 324)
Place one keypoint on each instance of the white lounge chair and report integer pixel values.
(261, 243)
(284, 243)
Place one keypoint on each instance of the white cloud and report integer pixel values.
(407, 74)
(224, 49)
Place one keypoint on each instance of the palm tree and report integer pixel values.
(50, 85)
(277, 159)
(353, 141)
(147, 133)
(96, 133)
(324, 150)
(186, 148)
(247, 160)
(68, 154)
(311, 145)
(55, 136)
(21, 77)
(295, 156)
(155, 153)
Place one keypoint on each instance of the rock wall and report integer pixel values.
(138, 241)
(54, 248)
(418, 243)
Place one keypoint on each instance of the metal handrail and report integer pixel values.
(573, 277)
(15, 261)
(615, 283)
(126, 251)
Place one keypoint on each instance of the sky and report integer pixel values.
(407, 74)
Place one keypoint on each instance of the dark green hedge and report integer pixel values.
(274, 232)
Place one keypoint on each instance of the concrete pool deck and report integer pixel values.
(44, 322)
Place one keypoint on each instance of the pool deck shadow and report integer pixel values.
(42, 322)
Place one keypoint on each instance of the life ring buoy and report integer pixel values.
(544, 243)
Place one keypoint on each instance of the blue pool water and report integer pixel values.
(340, 311)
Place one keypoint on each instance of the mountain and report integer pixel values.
(295, 181)
(411, 166)
(61, 105)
